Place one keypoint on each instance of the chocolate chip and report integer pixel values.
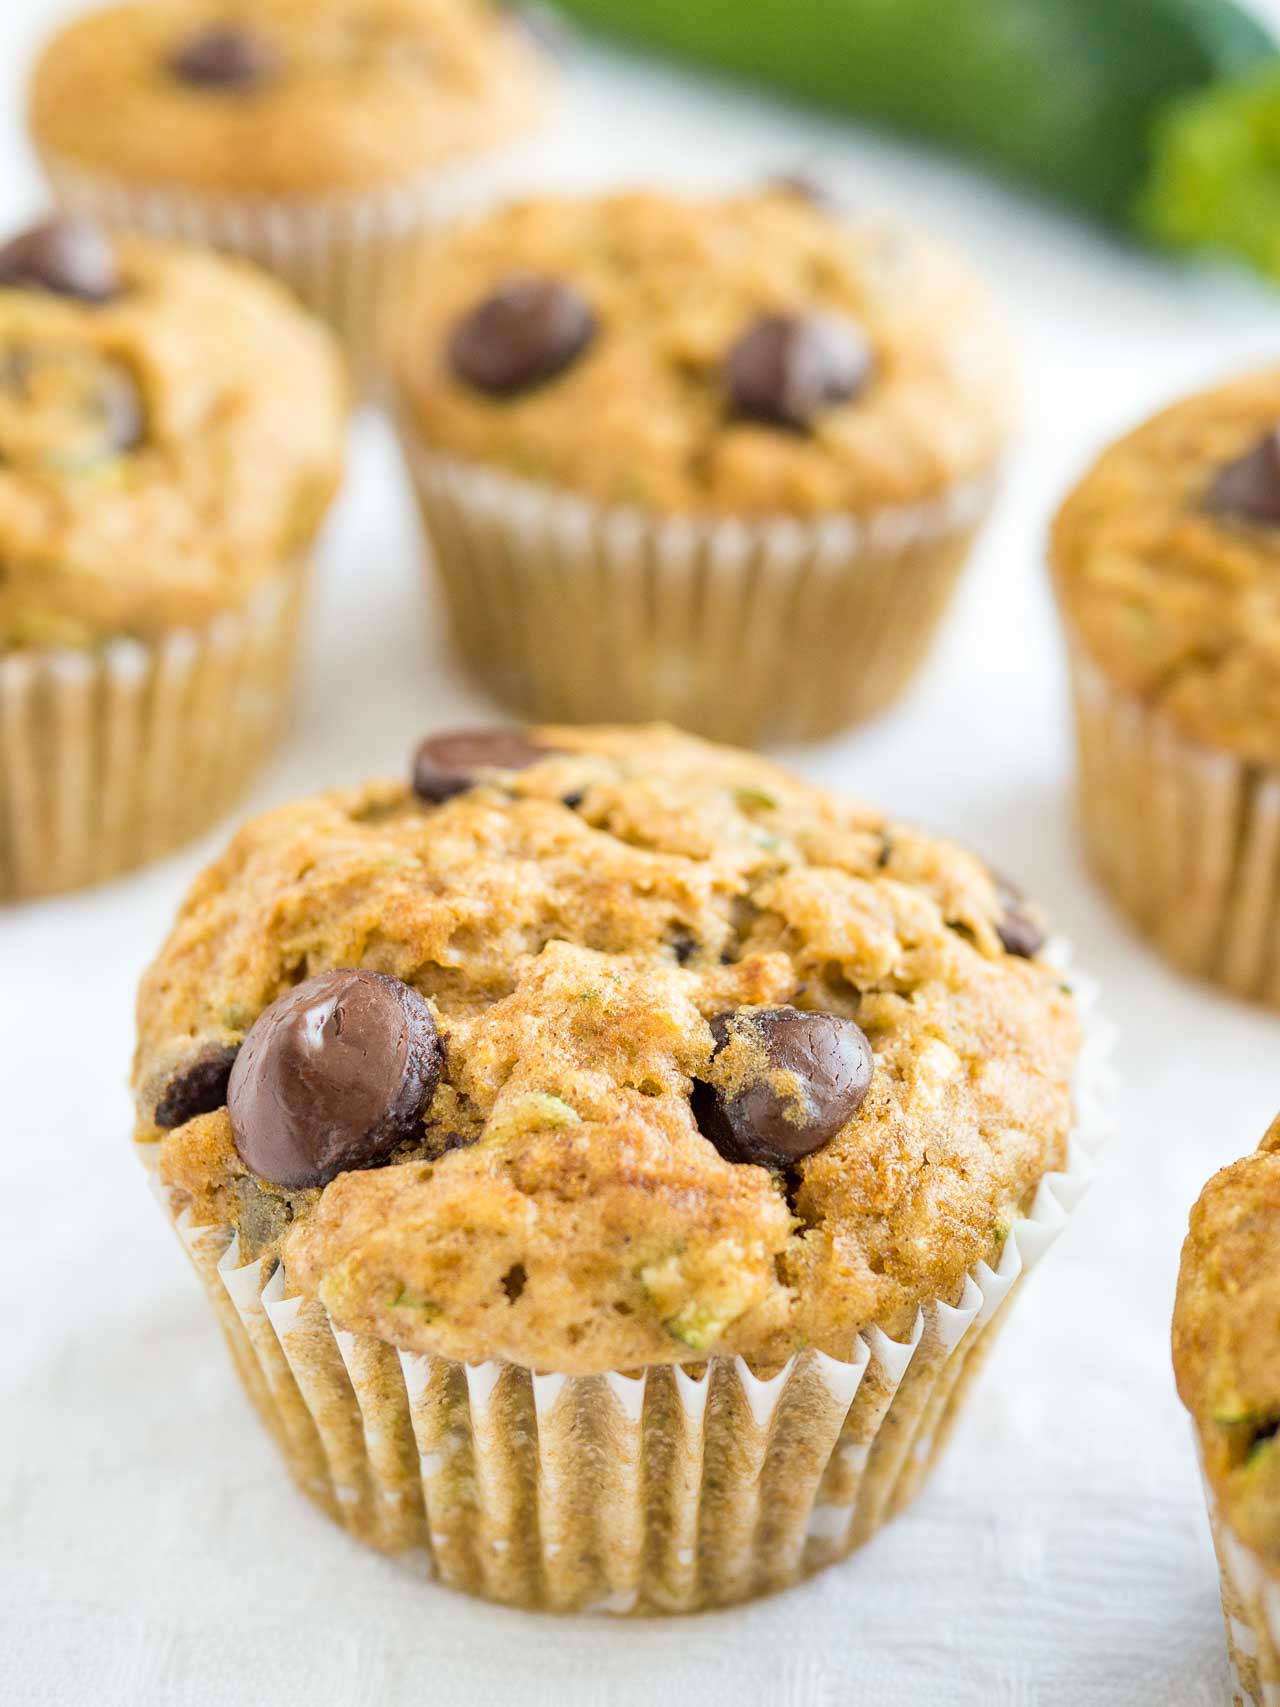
(684, 948)
(798, 1079)
(526, 333)
(224, 56)
(68, 257)
(787, 367)
(333, 1075)
(1018, 931)
(198, 1088)
(1249, 487)
(453, 762)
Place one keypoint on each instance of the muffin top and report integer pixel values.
(282, 96)
(1167, 563)
(754, 355)
(171, 431)
(600, 1048)
(1226, 1341)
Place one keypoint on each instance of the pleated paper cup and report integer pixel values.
(744, 631)
(113, 756)
(1251, 1612)
(1186, 837)
(661, 1490)
(354, 259)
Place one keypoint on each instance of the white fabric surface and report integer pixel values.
(150, 1551)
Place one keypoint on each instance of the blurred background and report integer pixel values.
(1061, 1555)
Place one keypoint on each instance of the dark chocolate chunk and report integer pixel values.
(786, 368)
(1018, 931)
(452, 762)
(198, 1088)
(803, 1076)
(224, 56)
(527, 332)
(68, 257)
(1249, 487)
(334, 1075)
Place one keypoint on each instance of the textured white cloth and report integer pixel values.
(151, 1554)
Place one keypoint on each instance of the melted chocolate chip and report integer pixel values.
(1018, 932)
(529, 331)
(1249, 487)
(334, 1075)
(786, 368)
(198, 1088)
(804, 1075)
(453, 762)
(224, 56)
(68, 257)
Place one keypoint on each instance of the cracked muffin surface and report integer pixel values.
(283, 97)
(600, 925)
(170, 436)
(791, 360)
(1226, 1342)
(1166, 558)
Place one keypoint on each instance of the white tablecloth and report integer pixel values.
(150, 1551)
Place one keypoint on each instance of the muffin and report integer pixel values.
(1166, 560)
(170, 437)
(608, 1156)
(1226, 1355)
(317, 137)
(712, 461)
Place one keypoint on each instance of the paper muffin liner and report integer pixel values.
(354, 259)
(1187, 837)
(741, 630)
(114, 755)
(1251, 1613)
(664, 1490)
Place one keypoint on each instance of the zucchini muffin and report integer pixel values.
(318, 137)
(713, 461)
(170, 437)
(607, 1154)
(1226, 1354)
(1166, 560)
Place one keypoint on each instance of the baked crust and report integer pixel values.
(562, 1209)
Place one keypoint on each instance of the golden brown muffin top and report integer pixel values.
(171, 430)
(753, 355)
(1167, 563)
(282, 96)
(576, 928)
(1226, 1342)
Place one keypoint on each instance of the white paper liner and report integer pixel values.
(1186, 837)
(741, 630)
(351, 258)
(1250, 1610)
(669, 1490)
(114, 755)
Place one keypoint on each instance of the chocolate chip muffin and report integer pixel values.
(714, 461)
(1226, 1354)
(170, 438)
(607, 1154)
(1166, 561)
(317, 137)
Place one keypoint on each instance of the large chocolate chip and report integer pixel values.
(1249, 487)
(198, 1088)
(332, 1076)
(786, 368)
(224, 56)
(797, 1079)
(69, 257)
(453, 762)
(1018, 932)
(526, 333)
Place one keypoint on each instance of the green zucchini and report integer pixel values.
(1066, 95)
